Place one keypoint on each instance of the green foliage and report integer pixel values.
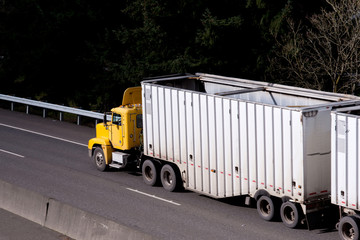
(214, 28)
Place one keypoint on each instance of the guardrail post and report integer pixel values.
(61, 117)
(12, 106)
(78, 119)
(44, 112)
(27, 107)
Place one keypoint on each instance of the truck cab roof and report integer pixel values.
(126, 108)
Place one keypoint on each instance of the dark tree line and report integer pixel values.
(84, 53)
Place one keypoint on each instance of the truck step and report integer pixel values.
(119, 159)
(115, 165)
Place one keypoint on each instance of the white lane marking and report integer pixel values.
(153, 196)
(2, 150)
(42, 134)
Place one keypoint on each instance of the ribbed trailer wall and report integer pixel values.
(224, 146)
(345, 163)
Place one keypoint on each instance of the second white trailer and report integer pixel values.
(230, 137)
(345, 165)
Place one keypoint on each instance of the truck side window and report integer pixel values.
(139, 123)
(116, 119)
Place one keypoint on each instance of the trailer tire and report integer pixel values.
(169, 178)
(150, 172)
(349, 228)
(99, 159)
(266, 208)
(290, 214)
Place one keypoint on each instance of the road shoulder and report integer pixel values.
(13, 226)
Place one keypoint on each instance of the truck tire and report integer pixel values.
(99, 159)
(349, 228)
(266, 208)
(169, 178)
(290, 214)
(150, 173)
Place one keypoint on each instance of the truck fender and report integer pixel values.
(261, 192)
(286, 199)
(105, 145)
(144, 157)
(98, 141)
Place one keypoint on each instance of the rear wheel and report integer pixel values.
(99, 159)
(266, 208)
(290, 214)
(349, 228)
(169, 178)
(149, 172)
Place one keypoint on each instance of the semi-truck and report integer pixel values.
(225, 137)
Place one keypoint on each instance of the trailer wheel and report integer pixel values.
(150, 172)
(99, 159)
(349, 228)
(266, 208)
(290, 214)
(169, 178)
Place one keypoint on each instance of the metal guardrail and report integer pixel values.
(59, 108)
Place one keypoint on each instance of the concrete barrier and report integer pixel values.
(22, 202)
(79, 224)
(63, 218)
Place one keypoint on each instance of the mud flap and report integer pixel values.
(325, 218)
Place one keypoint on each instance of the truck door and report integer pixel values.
(132, 130)
(116, 131)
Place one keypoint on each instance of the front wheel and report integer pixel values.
(290, 214)
(99, 159)
(349, 228)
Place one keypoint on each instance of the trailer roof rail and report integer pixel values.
(276, 88)
(169, 77)
(241, 91)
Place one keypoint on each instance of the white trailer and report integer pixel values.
(226, 137)
(345, 165)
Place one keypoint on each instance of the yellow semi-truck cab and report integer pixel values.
(117, 141)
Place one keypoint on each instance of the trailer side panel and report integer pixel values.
(345, 160)
(226, 147)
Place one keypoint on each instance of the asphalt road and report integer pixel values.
(51, 158)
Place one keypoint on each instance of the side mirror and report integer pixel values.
(105, 119)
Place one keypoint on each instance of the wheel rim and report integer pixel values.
(289, 214)
(149, 173)
(99, 159)
(168, 178)
(348, 231)
(265, 208)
